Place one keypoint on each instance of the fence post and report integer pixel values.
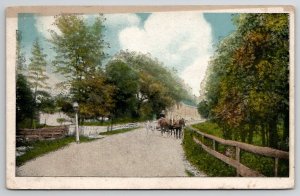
(214, 144)
(276, 167)
(237, 157)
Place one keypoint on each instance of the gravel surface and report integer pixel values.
(138, 153)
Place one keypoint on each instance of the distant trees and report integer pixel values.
(248, 83)
(144, 85)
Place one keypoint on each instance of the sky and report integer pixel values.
(183, 40)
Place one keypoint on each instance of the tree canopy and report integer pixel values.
(79, 48)
(248, 83)
(145, 86)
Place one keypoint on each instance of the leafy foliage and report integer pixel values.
(37, 69)
(203, 109)
(248, 81)
(37, 78)
(79, 54)
(145, 86)
(24, 100)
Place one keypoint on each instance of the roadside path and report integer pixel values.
(138, 153)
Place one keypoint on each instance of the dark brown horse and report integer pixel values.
(164, 125)
(178, 126)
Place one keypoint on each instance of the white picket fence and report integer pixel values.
(95, 130)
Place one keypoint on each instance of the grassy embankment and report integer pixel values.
(215, 167)
(45, 146)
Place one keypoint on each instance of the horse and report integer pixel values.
(178, 126)
(163, 124)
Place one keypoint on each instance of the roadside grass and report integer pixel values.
(203, 161)
(209, 128)
(118, 131)
(215, 167)
(115, 121)
(45, 146)
(189, 173)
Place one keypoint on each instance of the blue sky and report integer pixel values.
(181, 40)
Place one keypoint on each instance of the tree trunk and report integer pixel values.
(273, 135)
(286, 128)
(263, 135)
(250, 133)
(243, 135)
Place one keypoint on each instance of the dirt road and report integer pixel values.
(138, 153)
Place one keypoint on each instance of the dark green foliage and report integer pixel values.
(265, 165)
(125, 79)
(203, 109)
(248, 79)
(24, 102)
(145, 86)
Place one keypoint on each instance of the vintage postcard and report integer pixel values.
(150, 97)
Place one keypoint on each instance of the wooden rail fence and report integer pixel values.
(43, 133)
(241, 169)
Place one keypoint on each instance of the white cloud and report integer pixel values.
(44, 23)
(195, 73)
(181, 39)
(119, 20)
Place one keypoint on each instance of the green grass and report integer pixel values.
(189, 173)
(203, 161)
(115, 121)
(209, 128)
(118, 131)
(214, 167)
(45, 146)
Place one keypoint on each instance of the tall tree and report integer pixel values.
(79, 48)
(24, 102)
(37, 75)
(248, 83)
(125, 79)
(20, 60)
(37, 69)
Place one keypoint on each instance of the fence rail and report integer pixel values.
(241, 169)
(43, 133)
